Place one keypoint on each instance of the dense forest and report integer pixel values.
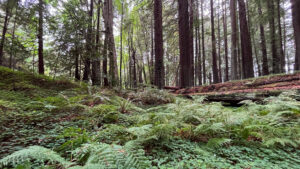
(170, 43)
(149, 84)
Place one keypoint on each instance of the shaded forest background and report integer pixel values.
(164, 43)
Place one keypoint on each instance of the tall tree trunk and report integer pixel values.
(96, 78)
(152, 53)
(40, 38)
(108, 19)
(134, 67)
(282, 57)
(296, 25)
(219, 45)
(225, 42)
(6, 20)
(89, 49)
(265, 67)
(203, 44)
(184, 45)
(198, 47)
(191, 41)
(253, 38)
(234, 47)
(159, 58)
(104, 64)
(247, 60)
(285, 45)
(214, 50)
(275, 57)
(121, 43)
(77, 71)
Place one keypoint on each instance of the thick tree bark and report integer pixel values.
(40, 38)
(265, 67)
(275, 57)
(108, 20)
(247, 60)
(184, 45)
(96, 78)
(214, 50)
(203, 44)
(234, 46)
(159, 59)
(89, 45)
(225, 42)
(104, 64)
(296, 25)
(191, 19)
(282, 57)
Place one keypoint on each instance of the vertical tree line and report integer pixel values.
(204, 41)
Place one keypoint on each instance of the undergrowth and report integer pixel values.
(95, 128)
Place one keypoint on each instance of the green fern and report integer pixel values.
(37, 153)
(111, 156)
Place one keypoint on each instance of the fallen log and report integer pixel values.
(171, 88)
(235, 99)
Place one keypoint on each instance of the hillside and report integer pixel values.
(62, 124)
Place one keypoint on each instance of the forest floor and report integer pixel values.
(48, 123)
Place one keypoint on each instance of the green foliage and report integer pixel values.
(97, 129)
(38, 153)
(16, 80)
(111, 156)
(73, 138)
(151, 96)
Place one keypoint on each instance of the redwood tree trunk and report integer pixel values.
(203, 44)
(282, 57)
(184, 34)
(191, 41)
(247, 60)
(108, 20)
(214, 51)
(40, 38)
(265, 67)
(296, 25)
(275, 57)
(225, 42)
(96, 79)
(158, 36)
(219, 46)
(234, 47)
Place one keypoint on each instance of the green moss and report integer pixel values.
(10, 78)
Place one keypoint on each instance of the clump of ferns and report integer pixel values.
(125, 106)
(96, 155)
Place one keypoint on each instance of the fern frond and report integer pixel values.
(38, 153)
(218, 142)
(281, 141)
